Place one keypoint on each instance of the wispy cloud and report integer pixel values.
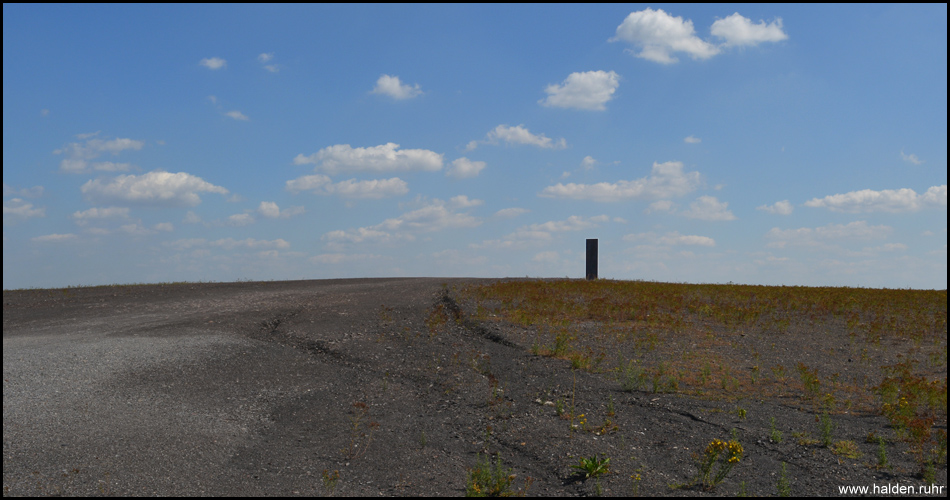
(237, 115)
(518, 135)
(352, 188)
(463, 168)
(911, 158)
(667, 180)
(887, 200)
(213, 63)
(77, 156)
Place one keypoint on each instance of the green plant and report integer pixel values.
(731, 453)
(632, 377)
(775, 435)
(783, 486)
(881, 453)
(485, 480)
(847, 449)
(825, 428)
(593, 466)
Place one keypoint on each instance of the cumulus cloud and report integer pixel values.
(887, 200)
(780, 208)
(78, 155)
(709, 208)
(239, 220)
(213, 63)
(737, 30)
(588, 90)
(352, 188)
(518, 135)
(658, 35)
(692, 140)
(911, 158)
(463, 168)
(16, 208)
(391, 86)
(154, 188)
(270, 210)
(383, 158)
(588, 162)
(667, 180)
(670, 239)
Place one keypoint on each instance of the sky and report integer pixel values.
(757, 144)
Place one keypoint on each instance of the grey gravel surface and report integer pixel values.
(169, 389)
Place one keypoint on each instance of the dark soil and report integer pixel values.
(278, 388)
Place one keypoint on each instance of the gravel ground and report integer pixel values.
(273, 388)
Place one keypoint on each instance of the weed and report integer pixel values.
(804, 439)
(847, 449)
(593, 466)
(740, 412)
(632, 377)
(731, 453)
(358, 432)
(329, 480)
(783, 486)
(809, 380)
(635, 483)
(485, 480)
(775, 435)
(881, 453)
(825, 428)
(610, 406)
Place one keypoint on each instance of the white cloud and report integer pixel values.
(265, 57)
(83, 217)
(692, 140)
(666, 180)
(737, 30)
(191, 218)
(239, 220)
(227, 244)
(77, 156)
(463, 168)
(780, 207)
(510, 213)
(154, 188)
(17, 208)
(818, 237)
(709, 208)
(518, 135)
(588, 90)
(383, 158)
(588, 162)
(271, 210)
(658, 35)
(165, 226)
(436, 215)
(462, 201)
(33, 192)
(671, 239)
(237, 115)
(887, 200)
(373, 189)
(391, 86)
(538, 234)
(339, 258)
(911, 158)
(213, 63)
(54, 238)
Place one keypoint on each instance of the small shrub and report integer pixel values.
(731, 453)
(593, 466)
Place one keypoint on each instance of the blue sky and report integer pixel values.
(776, 144)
